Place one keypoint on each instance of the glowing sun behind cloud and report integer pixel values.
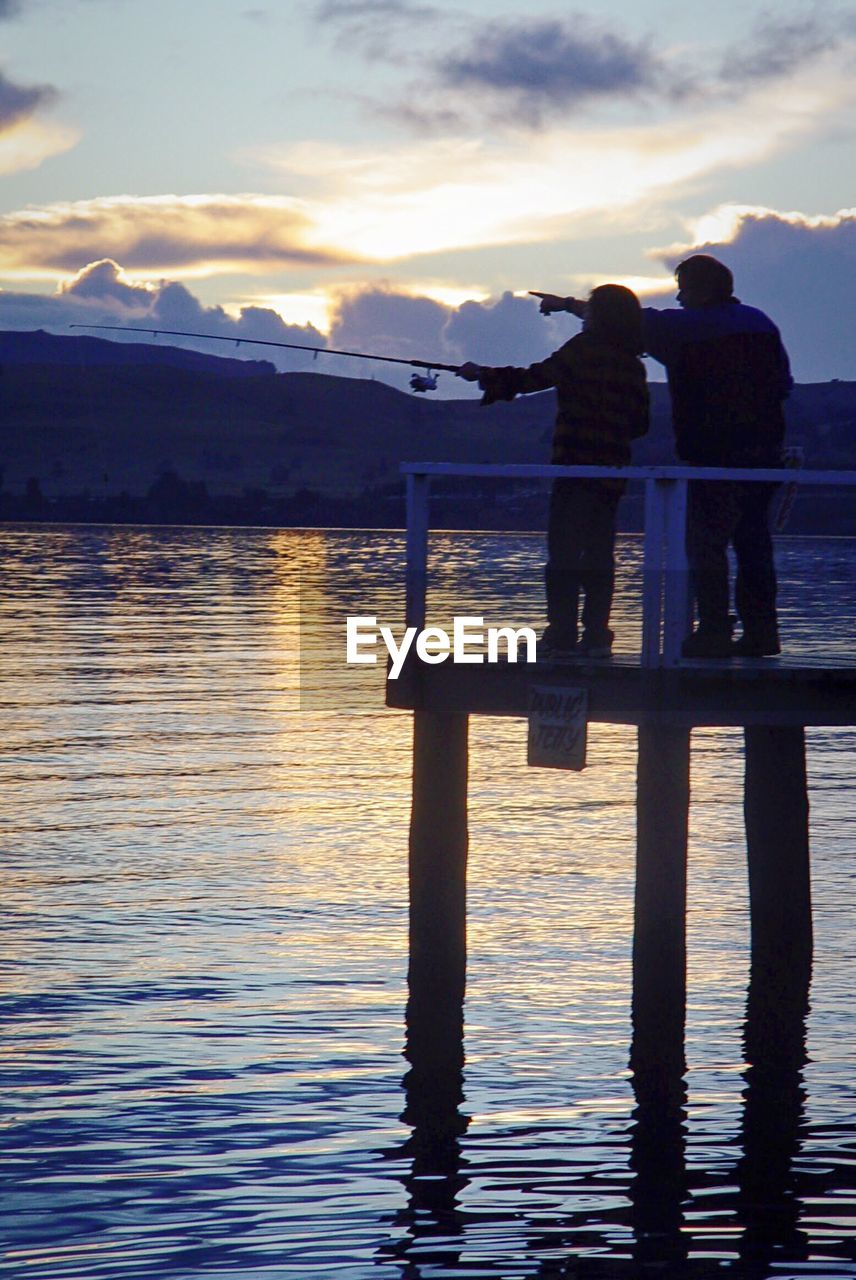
(448, 194)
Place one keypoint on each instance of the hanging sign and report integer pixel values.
(557, 727)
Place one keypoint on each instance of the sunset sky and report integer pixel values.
(397, 174)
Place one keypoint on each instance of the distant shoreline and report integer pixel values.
(811, 517)
(88, 434)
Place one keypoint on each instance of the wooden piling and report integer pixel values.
(659, 933)
(777, 842)
(438, 859)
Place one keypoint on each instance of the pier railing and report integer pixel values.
(666, 601)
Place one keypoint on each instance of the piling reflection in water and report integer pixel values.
(659, 1188)
(774, 1044)
(759, 1195)
(432, 1221)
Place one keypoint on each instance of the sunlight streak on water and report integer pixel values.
(204, 970)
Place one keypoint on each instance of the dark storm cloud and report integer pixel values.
(9, 8)
(550, 65)
(17, 102)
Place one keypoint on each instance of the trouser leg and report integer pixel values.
(597, 577)
(711, 517)
(755, 588)
(564, 549)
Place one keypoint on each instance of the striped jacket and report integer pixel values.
(602, 399)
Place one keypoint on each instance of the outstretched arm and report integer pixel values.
(508, 382)
(495, 383)
(551, 302)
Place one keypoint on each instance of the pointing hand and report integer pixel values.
(550, 302)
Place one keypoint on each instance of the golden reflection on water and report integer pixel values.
(206, 928)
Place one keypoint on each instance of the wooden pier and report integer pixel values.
(666, 697)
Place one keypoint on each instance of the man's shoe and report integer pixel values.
(708, 644)
(756, 646)
(596, 646)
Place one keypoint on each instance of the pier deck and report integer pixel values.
(780, 691)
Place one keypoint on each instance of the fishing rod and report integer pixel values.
(417, 382)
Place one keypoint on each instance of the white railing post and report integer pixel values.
(652, 571)
(676, 588)
(418, 488)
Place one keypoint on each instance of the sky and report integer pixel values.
(392, 176)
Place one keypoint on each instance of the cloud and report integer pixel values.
(9, 8)
(370, 207)
(798, 268)
(507, 330)
(106, 281)
(17, 102)
(499, 332)
(527, 72)
(372, 319)
(523, 71)
(25, 142)
(541, 67)
(348, 10)
(390, 322)
(159, 234)
(451, 194)
(777, 48)
(375, 27)
(102, 293)
(30, 142)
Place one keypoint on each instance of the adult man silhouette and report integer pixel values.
(728, 376)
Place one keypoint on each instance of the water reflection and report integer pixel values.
(205, 939)
(671, 1203)
(432, 1223)
(659, 1189)
(774, 1040)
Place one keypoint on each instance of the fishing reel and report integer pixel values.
(423, 381)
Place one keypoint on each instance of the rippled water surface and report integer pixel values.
(205, 944)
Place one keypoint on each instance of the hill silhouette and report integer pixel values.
(90, 427)
(40, 347)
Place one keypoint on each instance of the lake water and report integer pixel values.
(205, 943)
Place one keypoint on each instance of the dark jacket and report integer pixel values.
(728, 376)
(602, 399)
